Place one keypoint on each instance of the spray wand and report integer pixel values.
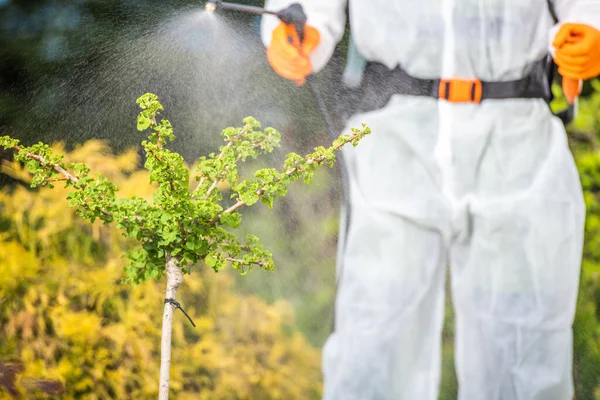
(571, 89)
(292, 15)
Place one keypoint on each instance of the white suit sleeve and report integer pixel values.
(328, 16)
(577, 11)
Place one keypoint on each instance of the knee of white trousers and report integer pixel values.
(389, 262)
(499, 361)
(520, 259)
(389, 314)
(395, 360)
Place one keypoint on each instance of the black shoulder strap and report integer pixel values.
(552, 10)
(568, 114)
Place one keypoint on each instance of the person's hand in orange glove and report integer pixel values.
(577, 54)
(577, 51)
(290, 58)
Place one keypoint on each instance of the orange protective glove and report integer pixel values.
(577, 51)
(290, 58)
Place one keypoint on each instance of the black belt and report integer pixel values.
(532, 86)
(379, 84)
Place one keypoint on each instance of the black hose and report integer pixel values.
(333, 134)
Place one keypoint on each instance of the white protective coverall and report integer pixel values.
(489, 188)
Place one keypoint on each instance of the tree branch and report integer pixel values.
(234, 207)
(309, 160)
(211, 188)
(154, 154)
(55, 167)
(221, 179)
(58, 169)
(220, 156)
(259, 263)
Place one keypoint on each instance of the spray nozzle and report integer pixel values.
(211, 6)
(291, 15)
(217, 5)
(294, 15)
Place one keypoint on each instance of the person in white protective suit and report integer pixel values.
(484, 183)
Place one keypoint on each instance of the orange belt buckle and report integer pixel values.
(460, 90)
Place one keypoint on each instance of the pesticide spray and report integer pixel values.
(294, 16)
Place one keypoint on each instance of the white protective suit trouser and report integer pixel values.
(491, 189)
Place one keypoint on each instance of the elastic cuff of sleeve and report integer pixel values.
(322, 53)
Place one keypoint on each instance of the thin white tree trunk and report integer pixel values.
(174, 280)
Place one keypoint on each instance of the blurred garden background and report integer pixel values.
(70, 71)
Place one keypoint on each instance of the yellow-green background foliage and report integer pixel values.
(65, 317)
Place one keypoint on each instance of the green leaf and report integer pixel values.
(143, 122)
(232, 220)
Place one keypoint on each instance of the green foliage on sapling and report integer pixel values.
(191, 224)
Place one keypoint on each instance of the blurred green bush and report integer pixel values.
(585, 140)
